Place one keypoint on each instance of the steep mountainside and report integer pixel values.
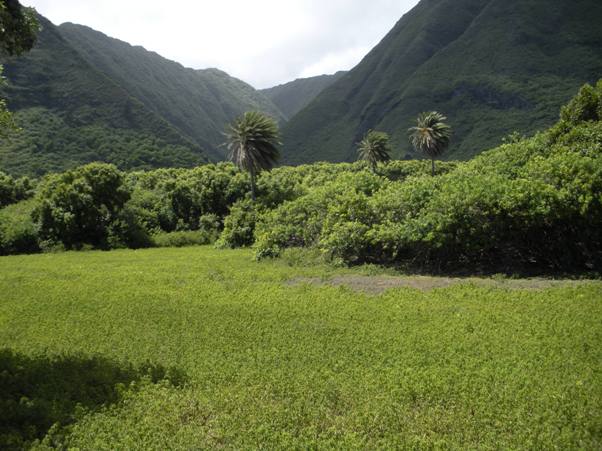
(492, 66)
(199, 103)
(72, 114)
(292, 97)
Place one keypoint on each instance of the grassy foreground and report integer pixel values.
(198, 348)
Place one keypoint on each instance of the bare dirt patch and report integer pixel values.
(380, 284)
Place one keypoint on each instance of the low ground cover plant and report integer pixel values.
(205, 348)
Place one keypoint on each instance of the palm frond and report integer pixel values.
(374, 148)
(431, 135)
(253, 141)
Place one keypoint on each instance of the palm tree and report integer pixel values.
(431, 135)
(374, 148)
(252, 140)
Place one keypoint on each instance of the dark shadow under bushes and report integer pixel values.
(39, 392)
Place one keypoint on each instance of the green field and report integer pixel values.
(200, 348)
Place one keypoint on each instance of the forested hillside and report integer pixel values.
(71, 114)
(80, 96)
(199, 103)
(292, 97)
(493, 67)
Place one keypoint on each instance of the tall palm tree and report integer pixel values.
(431, 135)
(374, 148)
(252, 140)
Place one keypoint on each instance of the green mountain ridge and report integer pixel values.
(199, 103)
(72, 114)
(493, 67)
(292, 97)
(81, 96)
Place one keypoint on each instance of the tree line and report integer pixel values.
(253, 141)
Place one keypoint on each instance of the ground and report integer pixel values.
(201, 348)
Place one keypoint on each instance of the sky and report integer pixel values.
(263, 42)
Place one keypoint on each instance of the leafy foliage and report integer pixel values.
(82, 206)
(171, 200)
(431, 135)
(7, 121)
(14, 190)
(239, 226)
(374, 148)
(18, 233)
(532, 205)
(18, 28)
(252, 140)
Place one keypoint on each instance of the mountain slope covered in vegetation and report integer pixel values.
(81, 96)
(292, 97)
(71, 114)
(493, 67)
(199, 103)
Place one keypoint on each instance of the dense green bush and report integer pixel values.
(531, 204)
(171, 200)
(300, 222)
(585, 106)
(239, 226)
(14, 190)
(18, 233)
(85, 206)
(98, 206)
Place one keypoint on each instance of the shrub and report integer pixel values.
(12, 191)
(125, 231)
(18, 233)
(402, 170)
(239, 226)
(279, 185)
(81, 206)
(585, 106)
(531, 204)
(176, 199)
(300, 222)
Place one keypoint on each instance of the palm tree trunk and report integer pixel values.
(433, 167)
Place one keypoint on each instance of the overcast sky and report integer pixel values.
(264, 42)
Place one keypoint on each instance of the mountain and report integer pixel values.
(198, 103)
(492, 66)
(292, 97)
(81, 96)
(72, 114)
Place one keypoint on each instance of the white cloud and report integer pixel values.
(333, 62)
(264, 42)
